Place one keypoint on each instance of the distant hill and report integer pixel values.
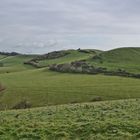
(124, 58)
(116, 62)
(127, 55)
(13, 63)
(25, 86)
(9, 54)
(63, 56)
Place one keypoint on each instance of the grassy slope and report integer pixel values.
(73, 56)
(41, 87)
(104, 120)
(2, 56)
(14, 63)
(124, 58)
(114, 120)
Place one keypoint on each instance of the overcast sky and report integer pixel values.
(40, 26)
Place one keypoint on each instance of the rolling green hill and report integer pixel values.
(2, 57)
(114, 120)
(123, 58)
(42, 87)
(14, 63)
(25, 86)
(64, 56)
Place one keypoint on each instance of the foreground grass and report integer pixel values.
(43, 87)
(117, 120)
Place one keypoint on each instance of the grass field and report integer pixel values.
(120, 58)
(14, 63)
(58, 117)
(2, 57)
(41, 87)
(74, 55)
(114, 120)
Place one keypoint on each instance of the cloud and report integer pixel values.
(34, 23)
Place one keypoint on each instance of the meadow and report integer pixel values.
(73, 55)
(43, 87)
(70, 106)
(121, 58)
(109, 120)
(14, 63)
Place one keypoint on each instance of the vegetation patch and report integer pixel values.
(52, 55)
(84, 67)
(9, 54)
(60, 57)
(89, 51)
(90, 121)
(44, 87)
(22, 105)
(2, 87)
(121, 58)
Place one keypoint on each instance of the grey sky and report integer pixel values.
(39, 26)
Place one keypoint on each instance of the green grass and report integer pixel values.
(114, 120)
(2, 57)
(123, 58)
(117, 120)
(42, 87)
(73, 56)
(15, 63)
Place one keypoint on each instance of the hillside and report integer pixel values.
(72, 105)
(40, 87)
(14, 63)
(123, 58)
(117, 62)
(60, 57)
(117, 120)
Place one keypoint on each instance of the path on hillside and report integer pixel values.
(4, 58)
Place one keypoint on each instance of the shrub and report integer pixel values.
(83, 67)
(33, 63)
(98, 98)
(2, 87)
(51, 55)
(22, 105)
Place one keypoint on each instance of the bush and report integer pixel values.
(51, 55)
(98, 98)
(33, 63)
(22, 105)
(84, 67)
(2, 87)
